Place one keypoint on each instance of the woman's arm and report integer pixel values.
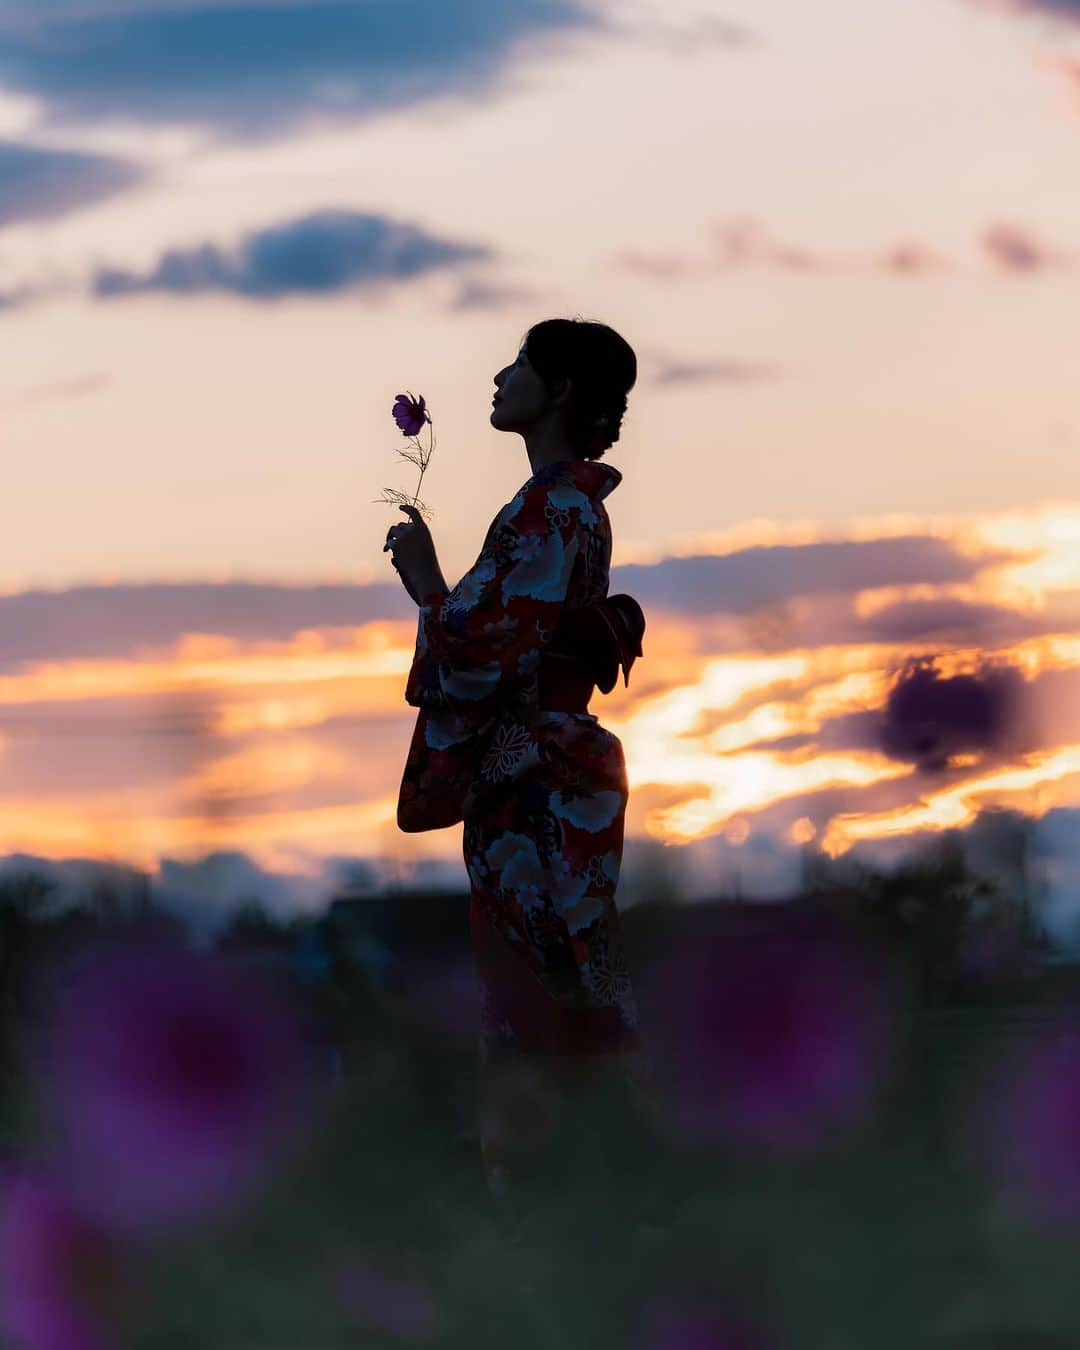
(484, 637)
(414, 557)
(429, 591)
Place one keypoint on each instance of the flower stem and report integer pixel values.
(423, 463)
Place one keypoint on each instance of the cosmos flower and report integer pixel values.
(411, 415)
(1034, 1120)
(171, 1080)
(767, 1039)
(58, 1270)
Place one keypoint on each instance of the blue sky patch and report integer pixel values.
(254, 69)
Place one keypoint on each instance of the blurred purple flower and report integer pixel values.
(671, 1325)
(768, 1039)
(410, 414)
(388, 1303)
(173, 1079)
(58, 1271)
(445, 995)
(1036, 1119)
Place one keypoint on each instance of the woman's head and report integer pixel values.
(583, 369)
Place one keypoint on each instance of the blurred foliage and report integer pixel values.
(894, 1234)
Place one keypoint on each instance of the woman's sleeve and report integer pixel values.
(479, 644)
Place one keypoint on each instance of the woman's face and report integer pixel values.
(521, 398)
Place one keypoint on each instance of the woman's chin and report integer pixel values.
(498, 420)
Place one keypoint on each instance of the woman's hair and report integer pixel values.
(603, 368)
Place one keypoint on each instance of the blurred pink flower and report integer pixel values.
(57, 1270)
(672, 1325)
(387, 1303)
(770, 1038)
(173, 1080)
(1035, 1116)
(410, 414)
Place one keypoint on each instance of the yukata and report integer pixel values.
(545, 800)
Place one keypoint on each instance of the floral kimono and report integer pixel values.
(542, 793)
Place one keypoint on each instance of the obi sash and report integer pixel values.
(587, 650)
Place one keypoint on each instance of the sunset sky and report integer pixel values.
(844, 241)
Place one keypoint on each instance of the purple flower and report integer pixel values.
(410, 414)
(768, 1039)
(1035, 1123)
(57, 1270)
(669, 1325)
(172, 1080)
(388, 1303)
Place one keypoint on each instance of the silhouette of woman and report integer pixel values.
(504, 667)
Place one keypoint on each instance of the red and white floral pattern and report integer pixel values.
(544, 793)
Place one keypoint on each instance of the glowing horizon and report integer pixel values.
(271, 749)
(853, 439)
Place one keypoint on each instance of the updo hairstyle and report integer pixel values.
(603, 368)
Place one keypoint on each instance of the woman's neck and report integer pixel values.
(553, 452)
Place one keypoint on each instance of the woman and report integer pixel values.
(504, 666)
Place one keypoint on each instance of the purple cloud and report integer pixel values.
(739, 243)
(913, 260)
(38, 183)
(1012, 248)
(745, 581)
(319, 254)
(104, 621)
(929, 717)
(263, 67)
(714, 372)
(111, 621)
(962, 621)
(1065, 9)
(59, 391)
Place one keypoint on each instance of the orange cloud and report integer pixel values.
(1024, 786)
(297, 744)
(201, 662)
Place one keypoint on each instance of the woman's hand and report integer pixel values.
(412, 552)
